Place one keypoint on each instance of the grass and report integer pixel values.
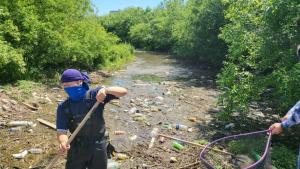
(202, 142)
(281, 156)
(22, 89)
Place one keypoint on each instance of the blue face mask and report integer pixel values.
(76, 93)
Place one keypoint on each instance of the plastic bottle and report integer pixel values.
(35, 150)
(111, 164)
(167, 126)
(121, 156)
(20, 123)
(14, 129)
(177, 145)
(20, 155)
(153, 135)
(255, 155)
(181, 127)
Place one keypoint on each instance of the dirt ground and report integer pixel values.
(162, 93)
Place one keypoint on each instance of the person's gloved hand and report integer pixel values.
(101, 95)
(276, 128)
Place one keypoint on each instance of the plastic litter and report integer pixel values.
(121, 156)
(167, 126)
(112, 164)
(161, 139)
(20, 155)
(153, 135)
(21, 123)
(229, 126)
(14, 129)
(177, 145)
(192, 119)
(35, 150)
(181, 127)
(173, 160)
(132, 138)
(133, 110)
(120, 132)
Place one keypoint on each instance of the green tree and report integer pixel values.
(12, 65)
(261, 65)
(155, 33)
(197, 34)
(51, 35)
(119, 23)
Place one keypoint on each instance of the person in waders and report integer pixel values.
(88, 149)
(290, 119)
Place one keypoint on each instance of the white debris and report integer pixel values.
(14, 102)
(55, 88)
(5, 101)
(139, 117)
(21, 123)
(159, 98)
(20, 155)
(13, 129)
(133, 110)
(35, 150)
(229, 126)
(132, 138)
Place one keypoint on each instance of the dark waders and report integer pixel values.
(88, 149)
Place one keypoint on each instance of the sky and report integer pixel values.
(104, 6)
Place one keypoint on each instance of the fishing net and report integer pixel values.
(242, 151)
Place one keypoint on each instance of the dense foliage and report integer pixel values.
(47, 36)
(261, 65)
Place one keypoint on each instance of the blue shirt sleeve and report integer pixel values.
(294, 116)
(61, 119)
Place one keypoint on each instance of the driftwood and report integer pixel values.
(29, 106)
(47, 123)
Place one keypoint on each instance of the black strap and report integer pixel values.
(88, 95)
(67, 106)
